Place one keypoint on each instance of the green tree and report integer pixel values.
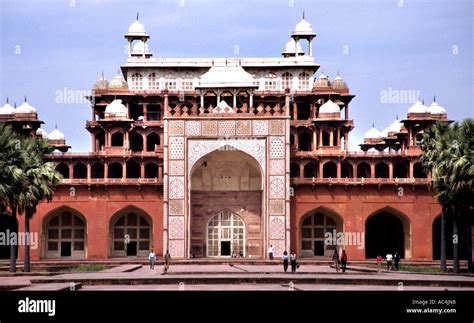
(448, 155)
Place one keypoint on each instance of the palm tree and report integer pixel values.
(12, 179)
(448, 155)
(41, 179)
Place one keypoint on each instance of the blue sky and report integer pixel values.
(405, 45)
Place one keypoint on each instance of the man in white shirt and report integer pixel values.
(389, 259)
(270, 252)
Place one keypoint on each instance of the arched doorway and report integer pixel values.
(65, 235)
(314, 226)
(386, 233)
(226, 235)
(7, 226)
(131, 233)
(226, 185)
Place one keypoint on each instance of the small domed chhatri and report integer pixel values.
(116, 109)
(56, 135)
(7, 109)
(418, 108)
(141, 48)
(290, 48)
(118, 83)
(339, 84)
(136, 29)
(41, 133)
(373, 135)
(102, 83)
(322, 82)
(25, 107)
(303, 28)
(437, 111)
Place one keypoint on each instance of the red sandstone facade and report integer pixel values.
(217, 158)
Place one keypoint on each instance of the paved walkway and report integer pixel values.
(237, 277)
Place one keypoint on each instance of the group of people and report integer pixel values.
(393, 261)
(340, 262)
(166, 257)
(291, 259)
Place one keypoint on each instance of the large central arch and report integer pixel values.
(226, 185)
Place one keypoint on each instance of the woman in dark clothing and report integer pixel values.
(285, 260)
(343, 260)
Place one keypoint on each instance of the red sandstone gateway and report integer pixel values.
(223, 157)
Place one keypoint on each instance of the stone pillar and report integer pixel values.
(331, 138)
(71, 170)
(250, 102)
(320, 169)
(145, 112)
(106, 169)
(301, 170)
(339, 169)
(320, 137)
(315, 144)
(129, 48)
(372, 169)
(390, 170)
(346, 112)
(124, 169)
(142, 170)
(295, 110)
(410, 169)
(338, 136)
(160, 171)
(144, 143)
(94, 145)
(310, 47)
(88, 171)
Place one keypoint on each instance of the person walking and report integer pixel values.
(396, 260)
(152, 259)
(335, 259)
(389, 259)
(379, 260)
(167, 258)
(285, 261)
(343, 260)
(293, 261)
(270, 252)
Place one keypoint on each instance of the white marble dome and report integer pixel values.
(118, 83)
(43, 134)
(137, 28)
(116, 107)
(303, 28)
(329, 107)
(25, 107)
(435, 108)
(138, 48)
(396, 126)
(7, 109)
(56, 135)
(290, 47)
(372, 134)
(418, 107)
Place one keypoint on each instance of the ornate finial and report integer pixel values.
(303, 14)
(434, 98)
(56, 126)
(373, 125)
(14, 105)
(118, 71)
(397, 116)
(138, 15)
(25, 98)
(102, 74)
(423, 101)
(7, 100)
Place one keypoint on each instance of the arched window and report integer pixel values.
(294, 170)
(152, 141)
(65, 236)
(381, 170)
(313, 234)
(117, 139)
(80, 171)
(292, 140)
(187, 84)
(270, 82)
(225, 235)
(151, 170)
(303, 81)
(133, 169)
(400, 170)
(99, 141)
(131, 235)
(329, 170)
(97, 170)
(63, 169)
(311, 170)
(115, 170)
(136, 141)
(170, 82)
(304, 141)
(137, 81)
(418, 171)
(347, 170)
(287, 80)
(363, 170)
(153, 83)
